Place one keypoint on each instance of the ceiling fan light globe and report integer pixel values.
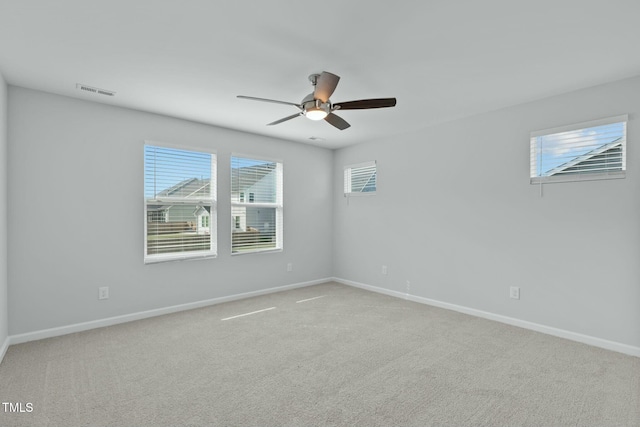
(316, 114)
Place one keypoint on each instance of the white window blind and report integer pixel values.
(585, 151)
(360, 178)
(180, 204)
(256, 205)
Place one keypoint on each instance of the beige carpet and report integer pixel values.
(347, 358)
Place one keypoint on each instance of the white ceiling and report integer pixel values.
(442, 60)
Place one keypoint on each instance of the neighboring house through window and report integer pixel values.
(156, 213)
(180, 196)
(257, 222)
(585, 151)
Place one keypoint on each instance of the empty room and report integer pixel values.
(295, 213)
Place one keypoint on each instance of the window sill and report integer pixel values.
(367, 193)
(161, 259)
(258, 251)
(578, 177)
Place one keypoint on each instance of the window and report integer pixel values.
(585, 151)
(258, 221)
(180, 209)
(360, 179)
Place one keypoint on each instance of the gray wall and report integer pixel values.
(4, 319)
(456, 216)
(461, 233)
(73, 162)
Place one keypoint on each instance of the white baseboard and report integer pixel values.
(573, 336)
(79, 327)
(4, 348)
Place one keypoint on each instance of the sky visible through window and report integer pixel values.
(166, 167)
(559, 148)
(241, 162)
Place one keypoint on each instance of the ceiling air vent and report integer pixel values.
(94, 90)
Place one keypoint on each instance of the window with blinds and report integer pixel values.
(585, 151)
(360, 178)
(256, 205)
(179, 203)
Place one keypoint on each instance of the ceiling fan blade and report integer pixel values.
(293, 116)
(325, 85)
(274, 101)
(337, 121)
(364, 104)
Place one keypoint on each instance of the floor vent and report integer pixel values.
(95, 90)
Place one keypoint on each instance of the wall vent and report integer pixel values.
(95, 90)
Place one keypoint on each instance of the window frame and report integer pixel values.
(247, 200)
(211, 202)
(534, 153)
(348, 183)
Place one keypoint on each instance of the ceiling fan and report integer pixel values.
(317, 106)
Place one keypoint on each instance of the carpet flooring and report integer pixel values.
(326, 355)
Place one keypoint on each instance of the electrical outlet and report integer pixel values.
(290, 266)
(514, 292)
(384, 269)
(103, 292)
